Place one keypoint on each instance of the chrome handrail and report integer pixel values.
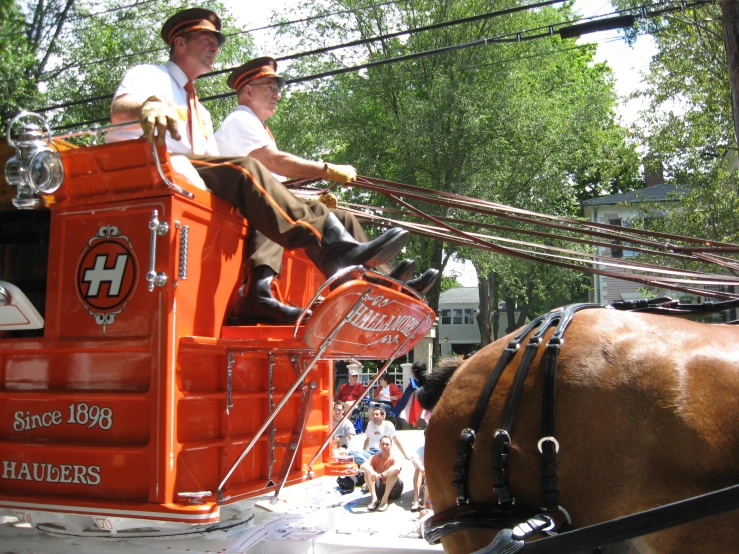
(292, 389)
(167, 182)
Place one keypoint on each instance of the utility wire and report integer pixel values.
(487, 15)
(87, 16)
(570, 31)
(227, 35)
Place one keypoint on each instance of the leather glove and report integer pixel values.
(156, 115)
(329, 199)
(341, 173)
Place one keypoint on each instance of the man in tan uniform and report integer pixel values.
(245, 133)
(163, 99)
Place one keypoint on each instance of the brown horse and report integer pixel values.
(647, 412)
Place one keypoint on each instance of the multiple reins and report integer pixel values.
(557, 231)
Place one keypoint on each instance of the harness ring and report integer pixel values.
(548, 439)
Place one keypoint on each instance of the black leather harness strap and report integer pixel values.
(470, 517)
(467, 438)
(502, 440)
(641, 523)
(669, 306)
(548, 445)
(466, 516)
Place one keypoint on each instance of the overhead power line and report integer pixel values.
(87, 16)
(454, 22)
(235, 33)
(570, 31)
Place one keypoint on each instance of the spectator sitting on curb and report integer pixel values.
(353, 390)
(376, 429)
(382, 475)
(419, 477)
(346, 430)
(341, 372)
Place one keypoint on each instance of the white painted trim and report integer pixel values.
(86, 510)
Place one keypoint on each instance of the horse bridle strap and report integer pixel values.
(468, 436)
(471, 517)
(502, 441)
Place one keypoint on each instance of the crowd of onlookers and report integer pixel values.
(378, 464)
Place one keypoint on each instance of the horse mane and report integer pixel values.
(432, 384)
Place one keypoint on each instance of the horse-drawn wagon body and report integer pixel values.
(125, 400)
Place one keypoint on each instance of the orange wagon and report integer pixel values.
(122, 395)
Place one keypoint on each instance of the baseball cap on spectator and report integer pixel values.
(353, 371)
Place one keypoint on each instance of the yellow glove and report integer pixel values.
(341, 173)
(156, 115)
(328, 199)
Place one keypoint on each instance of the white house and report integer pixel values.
(618, 209)
(458, 330)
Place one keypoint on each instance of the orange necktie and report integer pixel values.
(269, 132)
(197, 139)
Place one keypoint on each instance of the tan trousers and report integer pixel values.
(270, 208)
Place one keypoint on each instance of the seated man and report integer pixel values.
(376, 429)
(382, 475)
(163, 98)
(353, 390)
(346, 430)
(244, 132)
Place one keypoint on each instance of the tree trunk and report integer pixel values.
(524, 313)
(487, 317)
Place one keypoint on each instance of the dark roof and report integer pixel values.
(460, 295)
(655, 193)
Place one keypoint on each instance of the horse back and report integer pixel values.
(646, 414)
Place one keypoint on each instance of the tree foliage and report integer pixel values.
(688, 123)
(530, 124)
(75, 53)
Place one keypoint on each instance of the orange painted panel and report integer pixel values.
(103, 258)
(107, 419)
(383, 321)
(74, 471)
(80, 370)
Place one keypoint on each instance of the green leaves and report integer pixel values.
(62, 52)
(530, 124)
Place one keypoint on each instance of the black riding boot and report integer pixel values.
(424, 283)
(260, 306)
(403, 271)
(339, 249)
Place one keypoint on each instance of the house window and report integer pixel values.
(457, 316)
(620, 252)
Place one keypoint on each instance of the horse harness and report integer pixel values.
(517, 522)
(468, 516)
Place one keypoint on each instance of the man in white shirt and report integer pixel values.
(245, 133)
(163, 99)
(376, 429)
(346, 429)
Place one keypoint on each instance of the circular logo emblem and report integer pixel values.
(106, 275)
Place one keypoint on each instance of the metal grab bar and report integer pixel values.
(380, 373)
(295, 385)
(167, 182)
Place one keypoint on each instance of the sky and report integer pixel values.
(628, 64)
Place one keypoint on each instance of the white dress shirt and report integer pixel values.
(166, 82)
